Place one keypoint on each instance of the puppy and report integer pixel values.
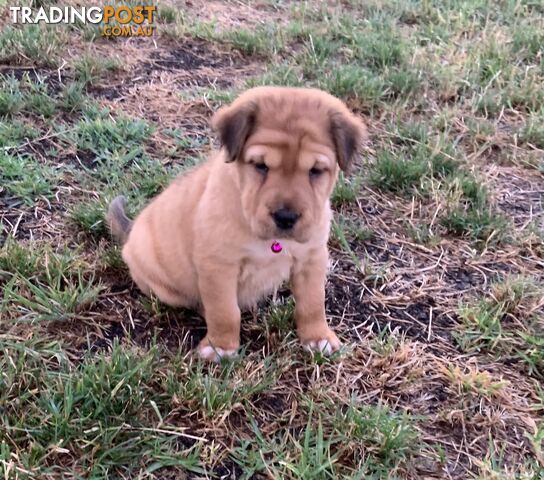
(257, 213)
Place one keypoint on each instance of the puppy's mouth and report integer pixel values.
(284, 234)
(299, 235)
(272, 234)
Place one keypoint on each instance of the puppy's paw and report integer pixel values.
(211, 353)
(327, 343)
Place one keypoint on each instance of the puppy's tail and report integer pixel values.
(118, 222)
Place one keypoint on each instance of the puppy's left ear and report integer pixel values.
(234, 124)
(348, 133)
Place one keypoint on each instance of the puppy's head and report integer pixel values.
(288, 145)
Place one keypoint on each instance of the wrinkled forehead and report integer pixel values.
(299, 141)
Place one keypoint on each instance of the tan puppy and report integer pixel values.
(206, 241)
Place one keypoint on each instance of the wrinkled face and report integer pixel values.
(285, 183)
(287, 145)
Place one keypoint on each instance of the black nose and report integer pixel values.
(285, 218)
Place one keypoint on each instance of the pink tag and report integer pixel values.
(276, 247)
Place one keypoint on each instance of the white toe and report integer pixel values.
(215, 354)
(323, 346)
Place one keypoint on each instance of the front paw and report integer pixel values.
(325, 342)
(212, 353)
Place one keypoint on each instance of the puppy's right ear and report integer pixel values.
(348, 132)
(234, 124)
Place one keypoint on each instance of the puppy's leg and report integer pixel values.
(308, 285)
(218, 291)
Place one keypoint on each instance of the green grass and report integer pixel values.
(346, 231)
(365, 62)
(378, 440)
(89, 217)
(27, 179)
(11, 97)
(31, 44)
(265, 40)
(398, 175)
(14, 133)
(214, 393)
(419, 166)
(183, 142)
(527, 42)
(90, 68)
(57, 299)
(104, 135)
(280, 316)
(470, 213)
(138, 178)
(25, 96)
(503, 323)
(410, 169)
(533, 130)
(476, 224)
(39, 101)
(262, 40)
(421, 233)
(46, 285)
(112, 412)
(104, 412)
(346, 189)
(340, 235)
(16, 258)
(168, 14)
(72, 97)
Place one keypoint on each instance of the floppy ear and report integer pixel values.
(234, 124)
(348, 133)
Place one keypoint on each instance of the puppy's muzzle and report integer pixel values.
(285, 218)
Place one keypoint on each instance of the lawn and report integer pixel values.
(437, 277)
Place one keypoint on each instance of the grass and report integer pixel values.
(505, 323)
(261, 41)
(137, 178)
(416, 165)
(345, 190)
(34, 44)
(474, 382)
(436, 247)
(280, 316)
(386, 440)
(25, 178)
(73, 97)
(478, 224)
(11, 98)
(27, 96)
(168, 14)
(45, 285)
(103, 135)
(99, 413)
(90, 68)
(413, 161)
(533, 131)
(396, 175)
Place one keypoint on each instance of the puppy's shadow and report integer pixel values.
(181, 329)
(176, 328)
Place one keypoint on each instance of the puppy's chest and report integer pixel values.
(263, 270)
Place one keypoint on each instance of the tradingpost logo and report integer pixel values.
(118, 21)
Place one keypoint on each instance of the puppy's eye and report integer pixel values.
(315, 172)
(261, 168)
